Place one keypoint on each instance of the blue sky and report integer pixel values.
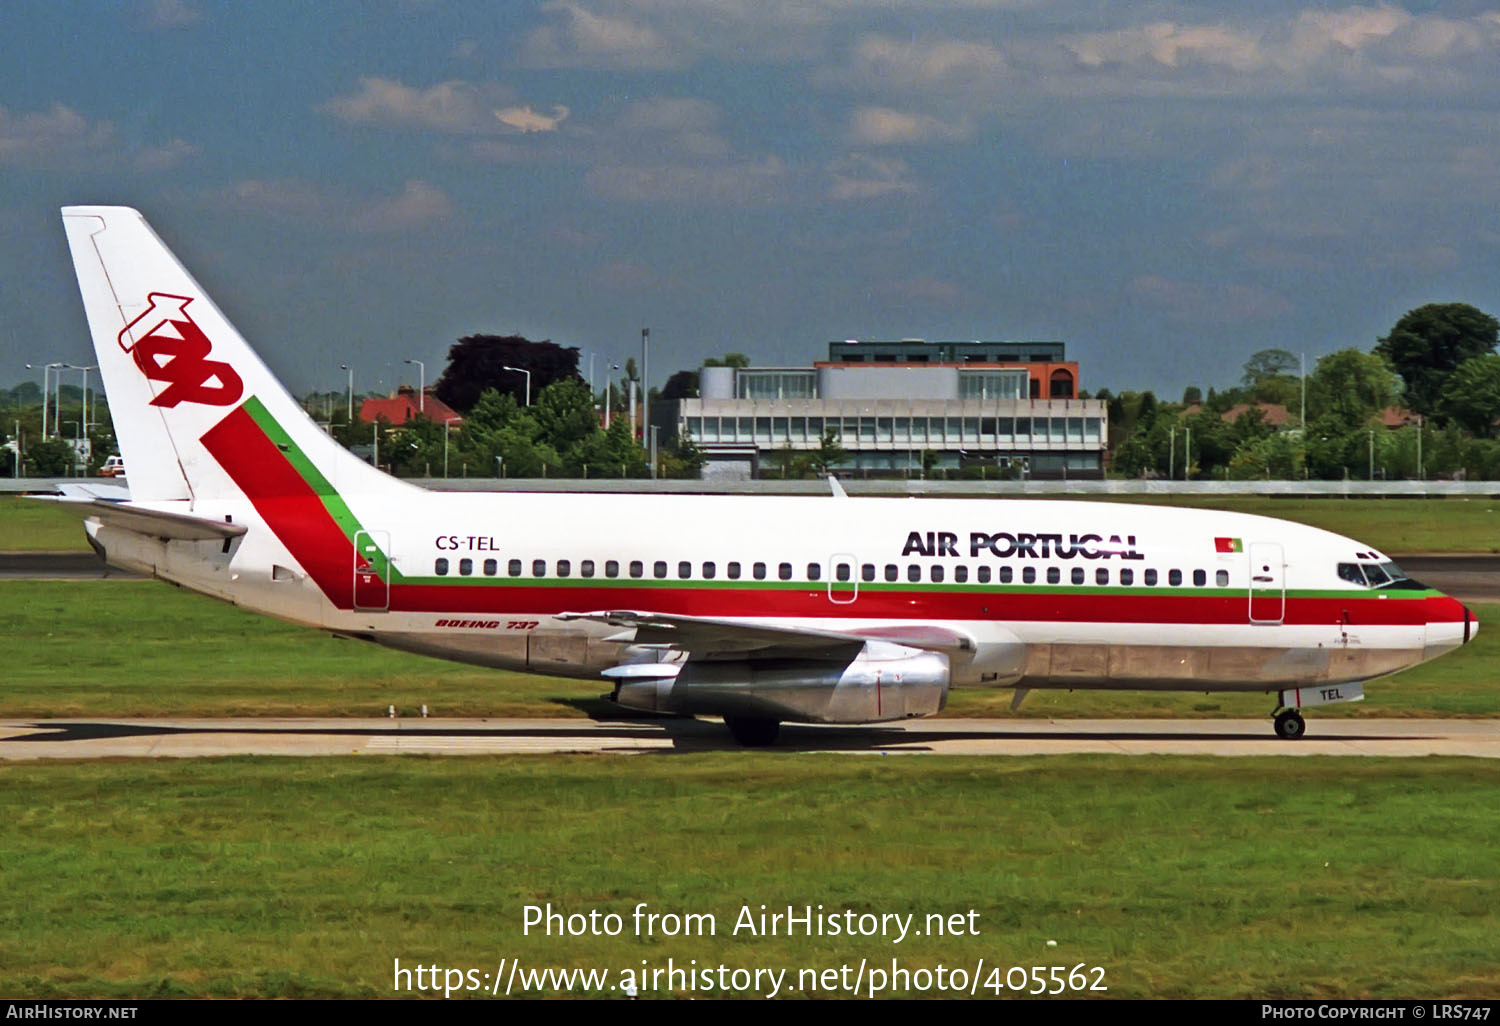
(1167, 187)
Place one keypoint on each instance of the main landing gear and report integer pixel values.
(1290, 724)
(752, 732)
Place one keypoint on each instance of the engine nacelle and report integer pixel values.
(884, 682)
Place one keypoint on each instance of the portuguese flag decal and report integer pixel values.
(1228, 545)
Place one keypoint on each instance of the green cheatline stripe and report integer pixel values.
(482, 581)
(308, 471)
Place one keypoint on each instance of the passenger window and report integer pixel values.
(564, 568)
(539, 568)
(892, 572)
(586, 568)
(659, 569)
(1077, 575)
(1127, 577)
(760, 571)
(1150, 578)
(709, 570)
(1028, 575)
(982, 575)
(611, 568)
(1174, 578)
(937, 574)
(1352, 573)
(1221, 578)
(466, 567)
(960, 574)
(441, 567)
(514, 568)
(1200, 578)
(844, 571)
(637, 568)
(784, 571)
(1101, 576)
(684, 570)
(1006, 574)
(867, 572)
(1054, 575)
(913, 572)
(733, 571)
(814, 571)
(491, 567)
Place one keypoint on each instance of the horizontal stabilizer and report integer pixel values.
(156, 523)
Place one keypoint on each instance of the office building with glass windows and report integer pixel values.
(900, 408)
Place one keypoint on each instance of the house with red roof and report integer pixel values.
(405, 405)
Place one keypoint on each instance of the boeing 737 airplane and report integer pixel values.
(760, 610)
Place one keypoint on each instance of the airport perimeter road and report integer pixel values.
(117, 738)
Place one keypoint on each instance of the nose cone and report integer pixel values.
(1450, 624)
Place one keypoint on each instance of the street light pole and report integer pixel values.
(609, 388)
(421, 385)
(447, 427)
(523, 370)
(345, 366)
(646, 392)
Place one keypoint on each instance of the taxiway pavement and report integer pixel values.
(25, 739)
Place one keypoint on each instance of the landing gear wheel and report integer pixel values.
(752, 733)
(1290, 724)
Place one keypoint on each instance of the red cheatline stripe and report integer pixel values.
(287, 503)
(500, 598)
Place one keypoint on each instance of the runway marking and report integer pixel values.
(504, 745)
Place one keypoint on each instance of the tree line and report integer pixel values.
(1437, 372)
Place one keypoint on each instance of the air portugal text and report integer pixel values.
(1022, 545)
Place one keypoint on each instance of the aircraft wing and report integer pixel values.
(99, 501)
(707, 637)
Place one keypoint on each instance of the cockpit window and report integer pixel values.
(1376, 575)
(1352, 573)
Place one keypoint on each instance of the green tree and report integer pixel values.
(828, 455)
(1349, 387)
(1471, 395)
(565, 413)
(1429, 343)
(1268, 363)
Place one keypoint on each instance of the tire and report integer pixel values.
(753, 733)
(1290, 725)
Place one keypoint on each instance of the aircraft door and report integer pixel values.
(843, 578)
(372, 571)
(1267, 583)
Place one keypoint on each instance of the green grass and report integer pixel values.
(143, 648)
(1180, 877)
(30, 526)
(1391, 525)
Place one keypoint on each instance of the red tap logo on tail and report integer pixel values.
(171, 347)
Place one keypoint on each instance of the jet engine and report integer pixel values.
(883, 681)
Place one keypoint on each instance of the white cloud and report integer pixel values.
(862, 177)
(526, 120)
(1169, 45)
(61, 139)
(418, 205)
(882, 126)
(171, 14)
(454, 107)
(583, 38)
(742, 183)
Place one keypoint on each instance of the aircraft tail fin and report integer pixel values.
(188, 396)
